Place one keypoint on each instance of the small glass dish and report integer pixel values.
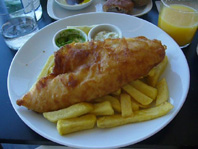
(67, 36)
(104, 31)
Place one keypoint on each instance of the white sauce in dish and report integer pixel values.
(105, 34)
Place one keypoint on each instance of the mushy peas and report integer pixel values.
(68, 36)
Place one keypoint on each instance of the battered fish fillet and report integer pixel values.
(84, 71)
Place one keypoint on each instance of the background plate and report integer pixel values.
(56, 12)
(30, 59)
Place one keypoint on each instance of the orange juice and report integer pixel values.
(180, 22)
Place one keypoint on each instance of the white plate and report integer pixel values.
(56, 12)
(30, 59)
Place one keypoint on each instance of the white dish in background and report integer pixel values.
(30, 59)
(63, 4)
(56, 12)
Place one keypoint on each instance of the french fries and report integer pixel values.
(76, 124)
(47, 69)
(163, 93)
(103, 108)
(135, 106)
(135, 102)
(137, 95)
(156, 72)
(117, 93)
(126, 105)
(139, 116)
(70, 112)
(113, 100)
(144, 88)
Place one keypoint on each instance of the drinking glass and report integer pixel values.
(179, 18)
(17, 22)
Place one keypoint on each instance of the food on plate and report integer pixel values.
(102, 108)
(76, 124)
(114, 109)
(117, 93)
(70, 112)
(102, 35)
(163, 93)
(135, 106)
(113, 100)
(120, 6)
(137, 95)
(67, 36)
(140, 3)
(47, 69)
(126, 105)
(145, 88)
(85, 71)
(124, 6)
(104, 31)
(139, 116)
(156, 72)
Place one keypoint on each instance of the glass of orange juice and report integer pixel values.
(179, 18)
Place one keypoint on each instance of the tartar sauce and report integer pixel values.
(105, 34)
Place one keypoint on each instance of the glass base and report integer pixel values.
(38, 13)
(184, 46)
(197, 50)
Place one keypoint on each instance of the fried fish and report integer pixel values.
(84, 71)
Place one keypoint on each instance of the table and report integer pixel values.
(182, 131)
